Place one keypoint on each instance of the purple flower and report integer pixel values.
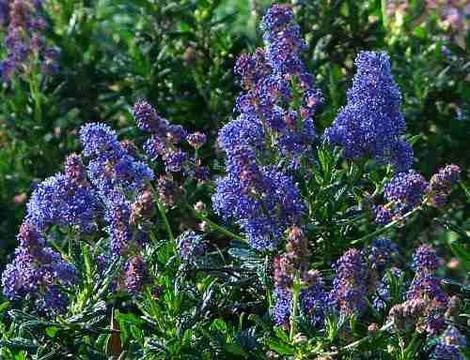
(118, 219)
(243, 131)
(282, 307)
(61, 200)
(449, 345)
(270, 78)
(24, 40)
(111, 166)
(135, 274)
(447, 352)
(425, 260)
(38, 272)
(190, 246)
(251, 68)
(441, 184)
(146, 116)
(74, 169)
(168, 190)
(350, 283)
(264, 202)
(370, 125)
(196, 140)
(314, 299)
(154, 147)
(382, 215)
(97, 138)
(175, 160)
(176, 133)
(384, 288)
(406, 188)
(381, 253)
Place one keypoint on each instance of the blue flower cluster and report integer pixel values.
(449, 346)
(276, 76)
(370, 125)
(372, 272)
(38, 273)
(409, 189)
(166, 140)
(293, 264)
(24, 39)
(118, 177)
(109, 187)
(441, 184)
(426, 304)
(135, 274)
(267, 136)
(63, 200)
(350, 283)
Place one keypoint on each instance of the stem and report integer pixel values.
(386, 227)
(217, 227)
(162, 212)
(358, 342)
(295, 309)
(36, 95)
(166, 223)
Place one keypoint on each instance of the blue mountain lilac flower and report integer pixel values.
(168, 190)
(242, 132)
(407, 188)
(166, 140)
(147, 118)
(61, 200)
(176, 134)
(135, 274)
(427, 287)
(190, 246)
(74, 169)
(382, 215)
(314, 299)
(97, 138)
(404, 192)
(251, 68)
(38, 272)
(441, 185)
(350, 283)
(282, 307)
(110, 166)
(143, 207)
(425, 260)
(118, 220)
(154, 147)
(4, 12)
(370, 125)
(270, 77)
(407, 315)
(424, 308)
(175, 161)
(291, 265)
(263, 201)
(197, 139)
(381, 253)
(449, 345)
(24, 40)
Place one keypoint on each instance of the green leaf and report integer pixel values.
(51, 331)
(4, 306)
(280, 348)
(235, 349)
